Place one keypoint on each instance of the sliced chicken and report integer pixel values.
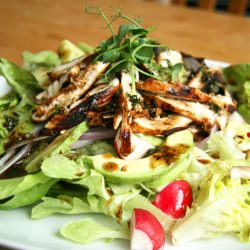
(79, 112)
(79, 86)
(173, 90)
(160, 126)
(222, 99)
(198, 112)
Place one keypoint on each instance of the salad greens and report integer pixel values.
(238, 79)
(80, 181)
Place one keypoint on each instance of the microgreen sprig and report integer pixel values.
(130, 49)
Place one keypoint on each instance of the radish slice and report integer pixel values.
(146, 231)
(175, 198)
(139, 146)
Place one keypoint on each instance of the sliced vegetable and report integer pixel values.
(175, 198)
(146, 231)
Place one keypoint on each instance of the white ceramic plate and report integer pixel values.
(18, 231)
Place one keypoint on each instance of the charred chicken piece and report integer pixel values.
(160, 126)
(173, 90)
(79, 86)
(198, 112)
(95, 100)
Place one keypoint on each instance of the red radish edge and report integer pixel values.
(150, 231)
(175, 198)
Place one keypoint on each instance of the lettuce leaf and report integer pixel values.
(221, 206)
(230, 143)
(60, 167)
(86, 230)
(29, 196)
(238, 79)
(61, 144)
(13, 186)
(69, 51)
(39, 64)
(61, 205)
(95, 183)
(21, 80)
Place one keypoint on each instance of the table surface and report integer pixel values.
(36, 25)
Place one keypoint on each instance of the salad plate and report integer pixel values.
(19, 231)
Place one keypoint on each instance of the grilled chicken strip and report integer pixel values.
(173, 90)
(124, 115)
(196, 111)
(160, 126)
(222, 99)
(79, 86)
(96, 99)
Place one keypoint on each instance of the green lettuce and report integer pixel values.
(95, 183)
(60, 167)
(221, 206)
(13, 186)
(238, 79)
(28, 196)
(61, 144)
(61, 205)
(87, 49)
(86, 230)
(68, 51)
(230, 143)
(21, 80)
(39, 64)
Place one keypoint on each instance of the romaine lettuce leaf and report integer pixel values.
(86, 230)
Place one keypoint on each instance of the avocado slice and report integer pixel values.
(118, 170)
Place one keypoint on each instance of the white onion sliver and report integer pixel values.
(81, 143)
(98, 134)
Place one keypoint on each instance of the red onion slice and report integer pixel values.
(98, 134)
(81, 143)
(20, 155)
